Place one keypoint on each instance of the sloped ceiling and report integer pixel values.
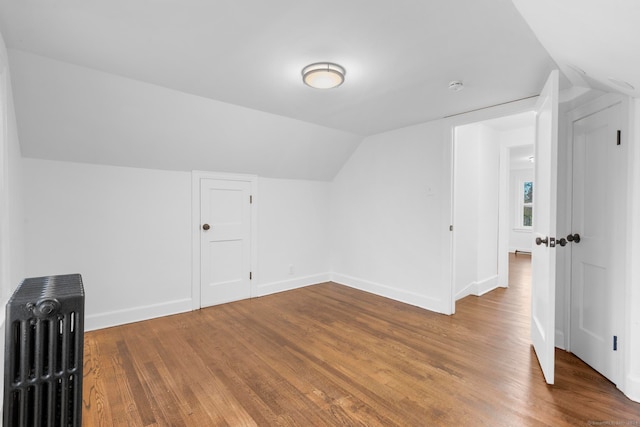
(594, 42)
(71, 113)
(400, 57)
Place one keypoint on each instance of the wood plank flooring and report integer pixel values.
(328, 355)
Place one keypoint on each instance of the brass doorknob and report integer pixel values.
(205, 227)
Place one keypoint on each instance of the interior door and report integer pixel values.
(225, 240)
(543, 255)
(598, 217)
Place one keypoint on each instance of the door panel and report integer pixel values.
(225, 245)
(598, 215)
(543, 256)
(227, 253)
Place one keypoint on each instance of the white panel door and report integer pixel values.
(598, 217)
(225, 241)
(543, 255)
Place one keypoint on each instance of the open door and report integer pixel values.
(543, 259)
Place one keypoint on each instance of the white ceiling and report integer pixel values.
(593, 41)
(216, 85)
(519, 157)
(400, 55)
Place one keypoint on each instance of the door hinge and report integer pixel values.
(619, 138)
(250, 275)
(250, 199)
(451, 228)
(615, 343)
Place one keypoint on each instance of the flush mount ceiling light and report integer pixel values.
(323, 75)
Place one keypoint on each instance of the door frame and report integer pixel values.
(450, 125)
(196, 178)
(621, 321)
(506, 199)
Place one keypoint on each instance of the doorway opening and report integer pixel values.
(492, 200)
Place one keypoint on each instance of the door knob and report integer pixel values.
(205, 227)
(540, 241)
(562, 242)
(574, 238)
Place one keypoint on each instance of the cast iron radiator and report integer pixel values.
(44, 338)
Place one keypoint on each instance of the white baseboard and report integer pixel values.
(486, 285)
(390, 292)
(287, 285)
(135, 314)
(479, 288)
(560, 343)
(470, 289)
(632, 387)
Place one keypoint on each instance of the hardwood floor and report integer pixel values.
(329, 355)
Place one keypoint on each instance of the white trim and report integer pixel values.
(487, 285)
(601, 103)
(470, 289)
(401, 295)
(135, 314)
(479, 288)
(287, 285)
(449, 125)
(630, 384)
(631, 387)
(625, 383)
(196, 177)
(522, 177)
(446, 215)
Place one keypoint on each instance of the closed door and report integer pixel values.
(599, 218)
(225, 239)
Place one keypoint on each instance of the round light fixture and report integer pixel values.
(323, 75)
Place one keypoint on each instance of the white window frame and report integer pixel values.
(519, 205)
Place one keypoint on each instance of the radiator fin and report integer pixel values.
(44, 342)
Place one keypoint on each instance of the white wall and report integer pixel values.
(488, 185)
(386, 219)
(466, 199)
(128, 232)
(11, 207)
(515, 143)
(293, 234)
(516, 139)
(11, 204)
(476, 208)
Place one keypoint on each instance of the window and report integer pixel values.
(524, 204)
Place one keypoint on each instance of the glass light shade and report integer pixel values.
(323, 75)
